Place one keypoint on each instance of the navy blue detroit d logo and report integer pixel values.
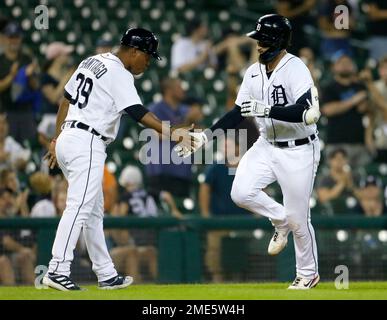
(279, 96)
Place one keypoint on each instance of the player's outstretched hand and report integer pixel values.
(185, 151)
(50, 156)
(255, 108)
(181, 135)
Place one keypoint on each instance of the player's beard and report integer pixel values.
(268, 56)
(263, 61)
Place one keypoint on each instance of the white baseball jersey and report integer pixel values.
(99, 90)
(287, 83)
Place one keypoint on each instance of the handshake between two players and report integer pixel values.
(250, 108)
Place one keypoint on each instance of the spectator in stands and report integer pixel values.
(333, 38)
(370, 197)
(41, 187)
(215, 201)
(150, 204)
(195, 111)
(57, 70)
(17, 204)
(377, 133)
(7, 275)
(59, 188)
(345, 103)
(12, 154)
(18, 85)
(192, 52)
(103, 46)
(336, 185)
(248, 124)
(381, 84)
(235, 52)
(175, 178)
(60, 202)
(18, 245)
(299, 14)
(376, 12)
(8, 208)
(132, 249)
(214, 195)
(307, 55)
(46, 131)
(3, 22)
(110, 190)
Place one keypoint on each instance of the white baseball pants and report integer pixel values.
(294, 169)
(81, 156)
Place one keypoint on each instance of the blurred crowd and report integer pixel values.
(352, 82)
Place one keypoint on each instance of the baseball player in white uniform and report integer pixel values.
(278, 91)
(98, 93)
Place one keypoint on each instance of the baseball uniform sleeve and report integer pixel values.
(244, 90)
(299, 79)
(124, 92)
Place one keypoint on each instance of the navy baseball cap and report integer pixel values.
(143, 40)
(12, 29)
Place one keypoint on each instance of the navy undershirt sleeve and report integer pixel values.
(229, 121)
(136, 112)
(68, 97)
(293, 113)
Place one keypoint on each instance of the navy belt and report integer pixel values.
(294, 143)
(80, 125)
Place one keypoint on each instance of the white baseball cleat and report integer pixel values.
(277, 243)
(117, 282)
(304, 284)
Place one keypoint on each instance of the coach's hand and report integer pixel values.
(182, 135)
(255, 108)
(199, 139)
(51, 155)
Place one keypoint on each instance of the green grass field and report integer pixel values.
(245, 291)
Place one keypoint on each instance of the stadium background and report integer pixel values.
(344, 238)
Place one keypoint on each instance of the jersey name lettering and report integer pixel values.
(95, 66)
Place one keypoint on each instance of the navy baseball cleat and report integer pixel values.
(60, 282)
(117, 282)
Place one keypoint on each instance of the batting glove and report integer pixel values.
(255, 108)
(183, 151)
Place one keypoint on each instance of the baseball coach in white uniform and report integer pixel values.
(98, 93)
(278, 91)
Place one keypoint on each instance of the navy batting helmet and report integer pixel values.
(141, 39)
(274, 32)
